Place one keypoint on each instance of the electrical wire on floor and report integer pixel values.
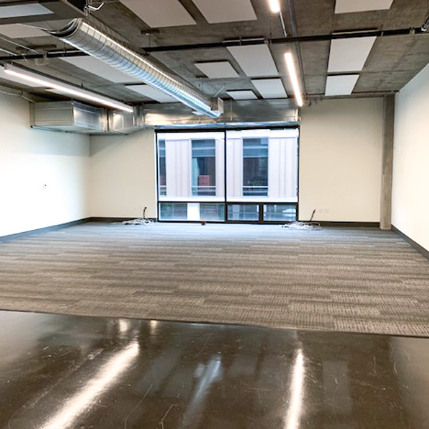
(139, 221)
(303, 225)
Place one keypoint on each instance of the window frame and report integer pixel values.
(225, 201)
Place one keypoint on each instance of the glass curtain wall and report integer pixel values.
(260, 178)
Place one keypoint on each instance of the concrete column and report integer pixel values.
(387, 160)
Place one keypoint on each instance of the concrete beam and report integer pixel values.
(387, 160)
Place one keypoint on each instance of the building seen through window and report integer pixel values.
(247, 175)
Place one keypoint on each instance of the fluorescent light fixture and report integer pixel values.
(65, 88)
(275, 6)
(294, 78)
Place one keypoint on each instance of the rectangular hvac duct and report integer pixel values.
(121, 122)
(68, 116)
(237, 113)
(75, 117)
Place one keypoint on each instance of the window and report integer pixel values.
(191, 166)
(162, 169)
(255, 167)
(203, 167)
(262, 166)
(258, 169)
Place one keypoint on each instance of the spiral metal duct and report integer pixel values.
(100, 43)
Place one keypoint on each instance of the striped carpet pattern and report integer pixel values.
(332, 279)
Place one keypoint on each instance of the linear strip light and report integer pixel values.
(65, 88)
(274, 6)
(294, 78)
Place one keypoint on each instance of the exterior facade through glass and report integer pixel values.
(237, 176)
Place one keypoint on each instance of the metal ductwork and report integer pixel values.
(102, 44)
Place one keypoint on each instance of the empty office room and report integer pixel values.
(214, 214)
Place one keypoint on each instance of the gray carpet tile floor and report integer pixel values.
(332, 279)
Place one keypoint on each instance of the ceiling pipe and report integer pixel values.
(290, 39)
(102, 44)
(230, 43)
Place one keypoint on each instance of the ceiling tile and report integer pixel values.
(242, 95)
(270, 88)
(160, 13)
(349, 55)
(100, 69)
(217, 70)
(23, 10)
(349, 6)
(152, 93)
(255, 60)
(16, 31)
(216, 11)
(341, 85)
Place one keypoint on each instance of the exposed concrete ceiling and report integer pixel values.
(391, 64)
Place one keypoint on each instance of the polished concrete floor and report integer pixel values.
(60, 372)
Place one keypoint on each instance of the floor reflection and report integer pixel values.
(77, 372)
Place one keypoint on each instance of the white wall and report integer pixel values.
(410, 208)
(123, 175)
(31, 158)
(340, 160)
(340, 165)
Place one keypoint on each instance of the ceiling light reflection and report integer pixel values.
(95, 387)
(296, 393)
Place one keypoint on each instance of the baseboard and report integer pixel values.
(350, 224)
(42, 230)
(410, 241)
